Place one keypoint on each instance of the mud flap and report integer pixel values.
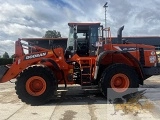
(3, 70)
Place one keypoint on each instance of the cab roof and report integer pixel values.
(84, 24)
(83, 27)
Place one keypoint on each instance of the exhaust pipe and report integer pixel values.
(119, 35)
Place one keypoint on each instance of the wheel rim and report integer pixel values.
(120, 82)
(36, 86)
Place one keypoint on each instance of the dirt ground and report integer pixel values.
(78, 104)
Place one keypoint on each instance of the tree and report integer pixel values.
(52, 34)
(5, 55)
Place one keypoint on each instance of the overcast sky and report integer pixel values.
(31, 18)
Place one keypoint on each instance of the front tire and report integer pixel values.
(118, 80)
(36, 85)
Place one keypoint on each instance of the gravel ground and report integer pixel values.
(78, 104)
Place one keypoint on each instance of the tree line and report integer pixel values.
(5, 59)
(6, 56)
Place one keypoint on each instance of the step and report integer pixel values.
(85, 74)
(85, 83)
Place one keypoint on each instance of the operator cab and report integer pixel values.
(82, 38)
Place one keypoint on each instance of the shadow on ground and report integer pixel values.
(76, 95)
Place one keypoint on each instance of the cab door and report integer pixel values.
(96, 34)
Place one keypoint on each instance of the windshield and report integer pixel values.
(70, 41)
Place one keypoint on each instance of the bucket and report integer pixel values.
(3, 70)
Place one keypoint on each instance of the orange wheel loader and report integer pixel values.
(89, 60)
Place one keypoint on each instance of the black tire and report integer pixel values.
(113, 70)
(48, 79)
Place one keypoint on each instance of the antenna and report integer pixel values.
(105, 6)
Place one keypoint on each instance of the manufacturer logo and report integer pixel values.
(129, 49)
(38, 55)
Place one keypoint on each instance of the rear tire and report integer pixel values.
(36, 85)
(118, 80)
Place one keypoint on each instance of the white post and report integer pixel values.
(105, 6)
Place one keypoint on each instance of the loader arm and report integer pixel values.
(22, 61)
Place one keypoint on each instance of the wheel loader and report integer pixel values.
(90, 59)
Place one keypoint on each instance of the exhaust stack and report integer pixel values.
(119, 35)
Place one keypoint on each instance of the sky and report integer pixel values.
(32, 18)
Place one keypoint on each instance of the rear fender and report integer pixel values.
(138, 66)
(130, 60)
(99, 61)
